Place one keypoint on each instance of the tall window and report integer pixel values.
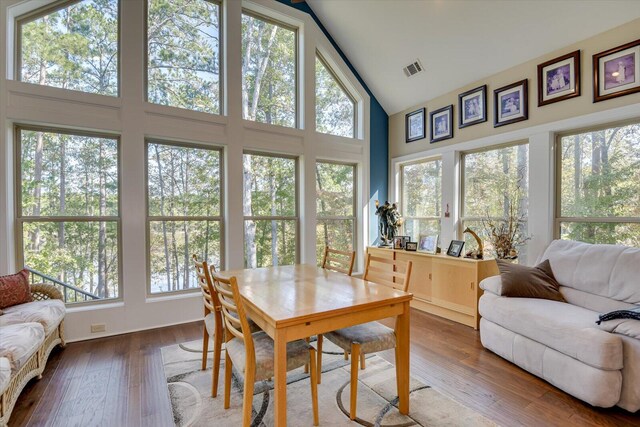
(335, 109)
(184, 213)
(268, 71)
(68, 211)
(71, 46)
(421, 200)
(183, 46)
(335, 207)
(598, 198)
(270, 210)
(495, 191)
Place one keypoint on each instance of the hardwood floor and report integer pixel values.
(118, 381)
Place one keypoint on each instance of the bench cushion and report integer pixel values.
(5, 374)
(563, 327)
(19, 342)
(49, 313)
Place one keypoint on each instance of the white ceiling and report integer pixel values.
(457, 41)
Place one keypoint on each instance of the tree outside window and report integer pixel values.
(74, 46)
(421, 198)
(335, 109)
(599, 192)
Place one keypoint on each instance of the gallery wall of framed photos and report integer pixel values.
(559, 85)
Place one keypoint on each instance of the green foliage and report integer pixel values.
(73, 48)
(184, 54)
(600, 178)
(335, 207)
(268, 72)
(421, 198)
(335, 110)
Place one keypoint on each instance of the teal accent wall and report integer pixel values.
(378, 131)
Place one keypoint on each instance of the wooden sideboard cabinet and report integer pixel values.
(443, 285)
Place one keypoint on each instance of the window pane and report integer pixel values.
(335, 195)
(268, 72)
(81, 254)
(171, 245)
(269, 186)
(415, 228)
(627, 234)
(183, 181)
(75, 47)
(335, 233)
(183, 67)
(496, 181)
(421, 189)
(68, 175)
(335, 111)
(600, 174)
(270, 243)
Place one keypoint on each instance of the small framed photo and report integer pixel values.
(441, 124)
(415, 125)
(510, 103)
(428, 244)
(616, 72)
(455, 248)
(411, 246)
(399, 242)
(472, 107)
(559, 79)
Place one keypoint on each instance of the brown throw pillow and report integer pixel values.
(529, 282)
(14, 289)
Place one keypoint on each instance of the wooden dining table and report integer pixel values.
(298, 301)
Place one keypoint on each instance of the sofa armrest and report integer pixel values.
(492, 284)
(43, 291)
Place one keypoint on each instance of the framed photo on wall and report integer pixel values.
(559, 79)
(511, 103)
(415, 125)
(616, 72)
(472, 107)
(441, 124)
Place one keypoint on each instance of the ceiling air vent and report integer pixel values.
(413, 68)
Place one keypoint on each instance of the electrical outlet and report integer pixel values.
(98, 327)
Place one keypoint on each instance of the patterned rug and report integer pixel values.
(189, 390)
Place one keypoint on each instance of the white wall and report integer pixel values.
(134, 120)
(541, 172)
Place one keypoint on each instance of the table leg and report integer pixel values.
(280, 378)
(402, 358)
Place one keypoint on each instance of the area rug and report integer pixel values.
(192, 404)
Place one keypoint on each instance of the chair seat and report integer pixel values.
(297, 354)
(210, 324)
(372, 337)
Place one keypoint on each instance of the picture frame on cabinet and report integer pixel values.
(559, 79)
(616, 72)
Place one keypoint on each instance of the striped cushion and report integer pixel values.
(297, 354)
(372, 337)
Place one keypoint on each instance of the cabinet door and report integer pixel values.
(420, 281)
(454, 285)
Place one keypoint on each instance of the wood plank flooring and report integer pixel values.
(118, 381)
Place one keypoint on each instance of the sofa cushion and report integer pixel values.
(610, 271)
(5, 374)
(14, 289)
(49, 313)
(628, 327)
(19, 342)
(566, 328)
(522, 281)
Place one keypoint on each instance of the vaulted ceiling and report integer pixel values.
(457, 41)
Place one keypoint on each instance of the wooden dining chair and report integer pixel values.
(339, 261)
(212, 320)
(369, 337)
(253, 353)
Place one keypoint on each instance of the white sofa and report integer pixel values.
(28, 333)
(560, 342)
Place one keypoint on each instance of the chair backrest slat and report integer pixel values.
(235, 318)
(209, 297)
(340, 261)
(396, 276)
